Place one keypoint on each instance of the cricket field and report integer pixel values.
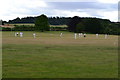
(51, 56)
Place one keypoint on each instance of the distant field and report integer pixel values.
(58, 25)
(8, 25)
(22, 24)
(50, 56)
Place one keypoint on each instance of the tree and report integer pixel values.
(73, 23)
(93, 25)
(41, 23)
(80, 27)
(1, 22)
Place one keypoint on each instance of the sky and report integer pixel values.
(105, 9)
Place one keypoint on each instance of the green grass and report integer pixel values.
(49, 56)
(58, 25)
(30, 24)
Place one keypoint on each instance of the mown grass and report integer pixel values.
(49, 56)
(28, 24)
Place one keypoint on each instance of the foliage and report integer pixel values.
(59, 20)
(23, 28)
(72, 24)
(58, 28)
(76, 24)
(113, 28)
(51, 20)
(93, 25)
(80, 27)
(22, 20)
(5, 29)
(41, 23)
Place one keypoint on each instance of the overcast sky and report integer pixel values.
(106, 9)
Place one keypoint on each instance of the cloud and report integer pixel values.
(108, 15)
(109, 1)
(10, 9)
(85, 9)
(80, 5)
(88, 13)
(13, 8)
(69, 13)
(100, 1)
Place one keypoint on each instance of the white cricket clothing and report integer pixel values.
(106, 36)
(21, 34)
(75, 36)
(60, 34)
(34, 35)
(96, 35)
(15, 34)
(79, 34)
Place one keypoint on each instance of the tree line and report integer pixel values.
(93, 25)
(75, 24)
(51, 20)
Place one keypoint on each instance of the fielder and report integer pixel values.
(97, 35)
(61, 34)
(84, 35)
(34, 35)
(75, 36)
(106, 36)
(21, 34)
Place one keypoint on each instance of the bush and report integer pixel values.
(58, 28)
(23, 28)
(5, 29)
